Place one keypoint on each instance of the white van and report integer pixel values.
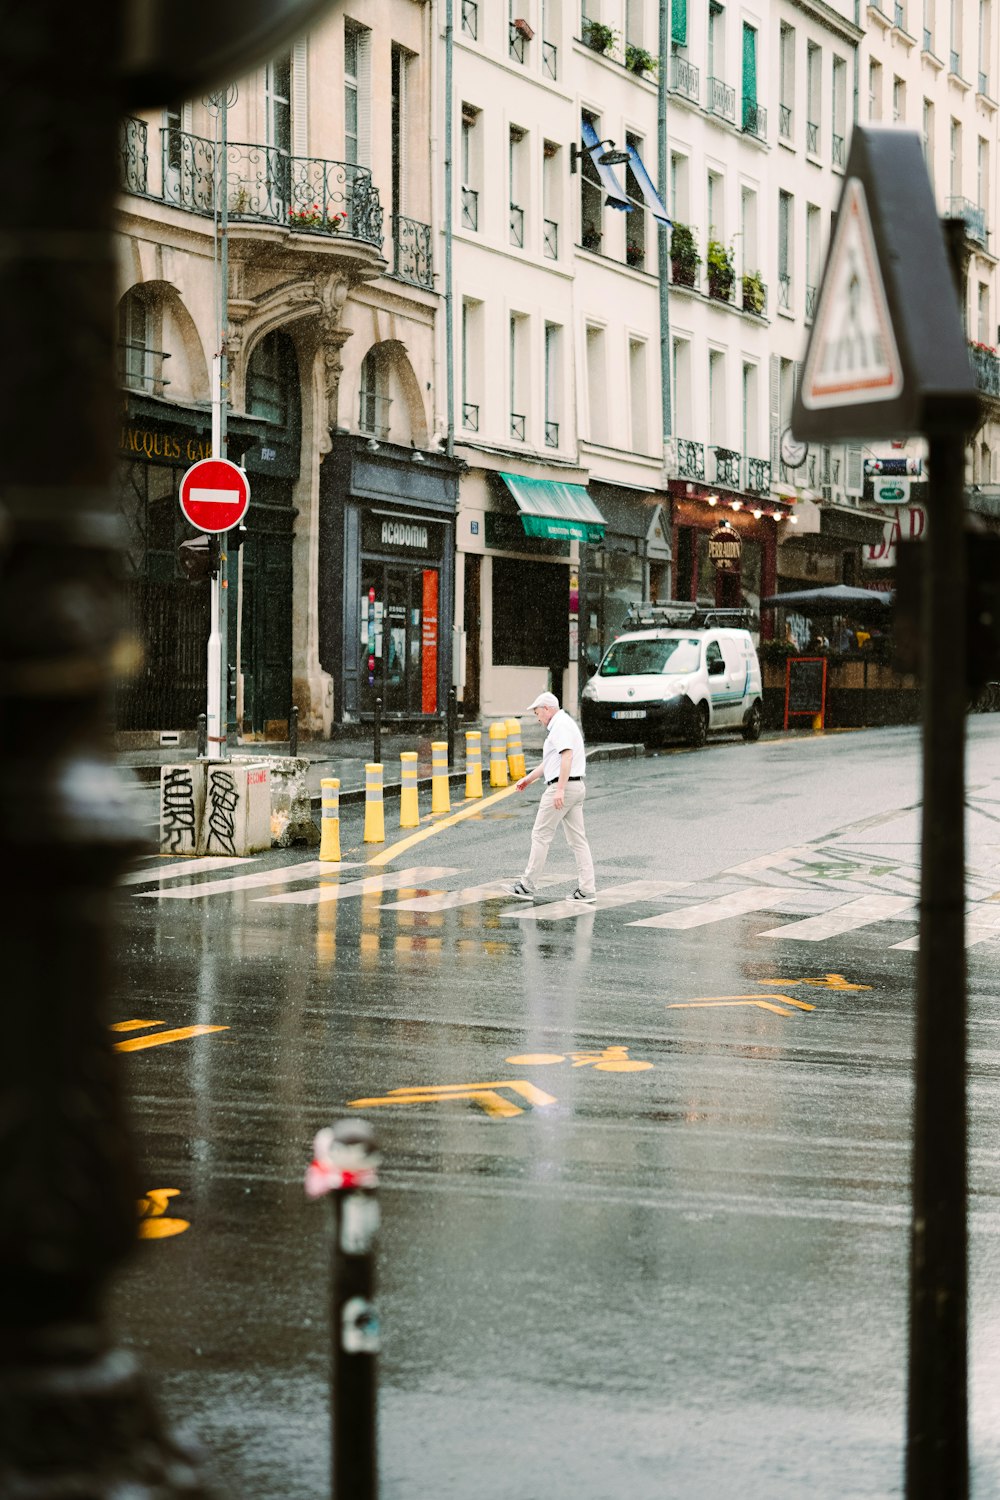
(676, 681)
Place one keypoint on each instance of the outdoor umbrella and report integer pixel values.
(867, 606)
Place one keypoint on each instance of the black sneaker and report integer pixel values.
(520, 890)
(579, 895)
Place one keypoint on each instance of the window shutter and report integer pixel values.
(364, 99)
(854, 479)
(679, 23)
(300, 99)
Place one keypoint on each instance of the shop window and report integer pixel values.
(530, 613)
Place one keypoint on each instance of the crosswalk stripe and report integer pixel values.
(182, 867)
(768, 861)
(982, 925)
(417, 875)
(614, 895)
(733, 904)
(468, 896)
(282, 875)
(846, 918)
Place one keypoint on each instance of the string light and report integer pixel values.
(736, 504)
(713, 499)
(757, 514)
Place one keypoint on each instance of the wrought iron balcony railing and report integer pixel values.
(721, 100)
(986, 364)
(754, 119)
(812, 137)
(684, 78)
(470, 19)
(550, 238)
(690, 459)
(758, 476)
(551, 434)
(899, 16)
(983, 85)
(517, 226)
(470, 208)
(305, 193)
(784, 291)
(785, 121)
(135, 160)
(141, 368)
(954, 63)
(470, 416)
(517, 426)
(516, 42)
(550, 59)
(837, 150)
(373, 414)
(727, 467)
(412, 251)
(928, 39)
(974, 216)
(811, 294)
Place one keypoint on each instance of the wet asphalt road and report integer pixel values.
(598, 1279)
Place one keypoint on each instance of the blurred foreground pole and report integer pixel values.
(75, 1417)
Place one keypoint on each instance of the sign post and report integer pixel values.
(887, 357)
(214, 497)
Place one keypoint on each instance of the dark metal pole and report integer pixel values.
(75, 1416)
(344, 1167)
(293, 731)
(937, 1458)
(377, 745)
(452, 718)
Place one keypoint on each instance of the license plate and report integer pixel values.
(628, 713)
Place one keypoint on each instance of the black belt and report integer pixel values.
(568, 778)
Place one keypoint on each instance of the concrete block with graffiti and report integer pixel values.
(215, 807)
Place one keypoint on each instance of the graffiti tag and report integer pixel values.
(177, 812)
(222, 802)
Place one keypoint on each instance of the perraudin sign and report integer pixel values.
(214, 494)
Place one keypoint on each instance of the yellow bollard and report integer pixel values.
(409, 809)
(498, 754)
(515, 755)
(473, 763)
(440, 798)
(374, 811)
(329, 842)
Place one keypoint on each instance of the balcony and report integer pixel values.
(754, 119)
(721, 100)
(135, 161)
(690, 459)
(685, 79)
(727, 467)
(412, 252)
(758, 480)
(470, 208)
(974, 217)
(307, 194)
(550, 238)
(986, 363)
(517, 226)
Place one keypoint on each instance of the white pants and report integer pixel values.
(547, 820)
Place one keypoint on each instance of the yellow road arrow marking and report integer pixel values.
(152, 1208)
(483, 1094)
(161, 1038)
(763, 1002)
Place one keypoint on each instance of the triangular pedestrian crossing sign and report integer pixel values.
(853, 357)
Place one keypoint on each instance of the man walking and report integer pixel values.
(564, 768)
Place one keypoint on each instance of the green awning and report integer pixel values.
(561, 512)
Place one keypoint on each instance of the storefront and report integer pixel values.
(725, 548)
(629, 567)
(386, 599)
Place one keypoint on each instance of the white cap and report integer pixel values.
(544, 700)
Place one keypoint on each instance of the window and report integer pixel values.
(785, 202)
(983, 313)
(551, 199)
(682, 381)
(553, 383)
(373, 414)
(470, 162)
(135, 357)
(814, 91)
(472, 362)
(530, 613)
(638, 395)
(985, 44)
(679, 195)
(814, 231)
(749, 114)
(874, 91)
(278, 104)
(597, 385)
(786, 81)
(591, 199)
(928, 137)
(838, 111)
(352, 110)
(983, 176)
(716, 208)
(519, 383)
(634, 35)
(955, 33)
(955, 160)
(749, 230)
(928, 25)
(717, 398)
(635, 222)
(273, 381)
(518, 173)
(716, 41)
(751, 415)
(898, 101)
(400, 60)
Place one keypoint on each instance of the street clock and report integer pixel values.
(793, 450)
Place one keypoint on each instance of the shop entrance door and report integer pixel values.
(399, 636)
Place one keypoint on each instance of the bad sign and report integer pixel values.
(214, 494)
(887, 353)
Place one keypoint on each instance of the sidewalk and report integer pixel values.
(346, 757)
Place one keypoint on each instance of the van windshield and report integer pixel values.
(646, 658)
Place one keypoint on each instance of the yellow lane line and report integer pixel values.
(159, 1038)
(468, 811)
(133, 1025)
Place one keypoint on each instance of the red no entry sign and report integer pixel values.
(214, 494)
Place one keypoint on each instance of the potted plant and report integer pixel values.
(635, 255)
(598, 37)
(638, 60)
(721, 271)
(522, 28)
(684, 257)
(753, 292)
